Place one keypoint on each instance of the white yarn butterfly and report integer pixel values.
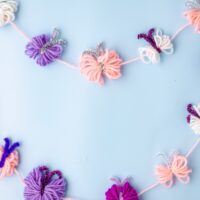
(7, 11)
(192, 4)
(150, 55)
(194, 118)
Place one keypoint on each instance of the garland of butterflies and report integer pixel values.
(99, 63)
(96, 65)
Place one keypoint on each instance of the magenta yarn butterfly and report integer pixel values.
(121, 191)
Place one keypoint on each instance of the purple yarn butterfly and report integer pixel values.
(192, 112)
(44, 48)
(121, 191)
(150, 39)
(43, 184)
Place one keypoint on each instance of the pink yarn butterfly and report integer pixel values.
(193, 14)
(99, 63)
(121, 191)
(177, 167)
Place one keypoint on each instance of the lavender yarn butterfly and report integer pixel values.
(43, 184)
(45, 49)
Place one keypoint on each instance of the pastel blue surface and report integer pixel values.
(90, 132)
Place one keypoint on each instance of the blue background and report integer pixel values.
(90, 132)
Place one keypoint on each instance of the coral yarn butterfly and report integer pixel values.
(177, 167)
(193, 13)
(100, 63)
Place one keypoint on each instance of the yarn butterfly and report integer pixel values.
(96, 64)
(193, 13)
(9, 158)
(8, 8)
(121, 190)
(44, 184)
(175, 167)
(44, 48)
(158, 43)
(193, 118)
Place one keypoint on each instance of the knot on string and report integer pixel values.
(8, 8)
(193, 117)
(158, 43)
(9, 158)
(121, 190)
(193, 13)
(45, 49)
(50, 184)
(176, 167)
(95, 64)
(150, 39)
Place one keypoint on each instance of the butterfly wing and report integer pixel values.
(111, 64)
(149, 55)
(90, 68)
(128, 192)
(163, 42)
(165, 175)
(180, 168)
(113, 193)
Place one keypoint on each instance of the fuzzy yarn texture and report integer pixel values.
(193, 13)
(176, 168)
(159, 43)
(45, 48)
(8, 8)
(9, 158)
(193, 118)
(98, 64)
(43, 184)
(123, 191)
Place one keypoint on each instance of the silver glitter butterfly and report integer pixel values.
(192, 4)
(54, 40)
(98, 51)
